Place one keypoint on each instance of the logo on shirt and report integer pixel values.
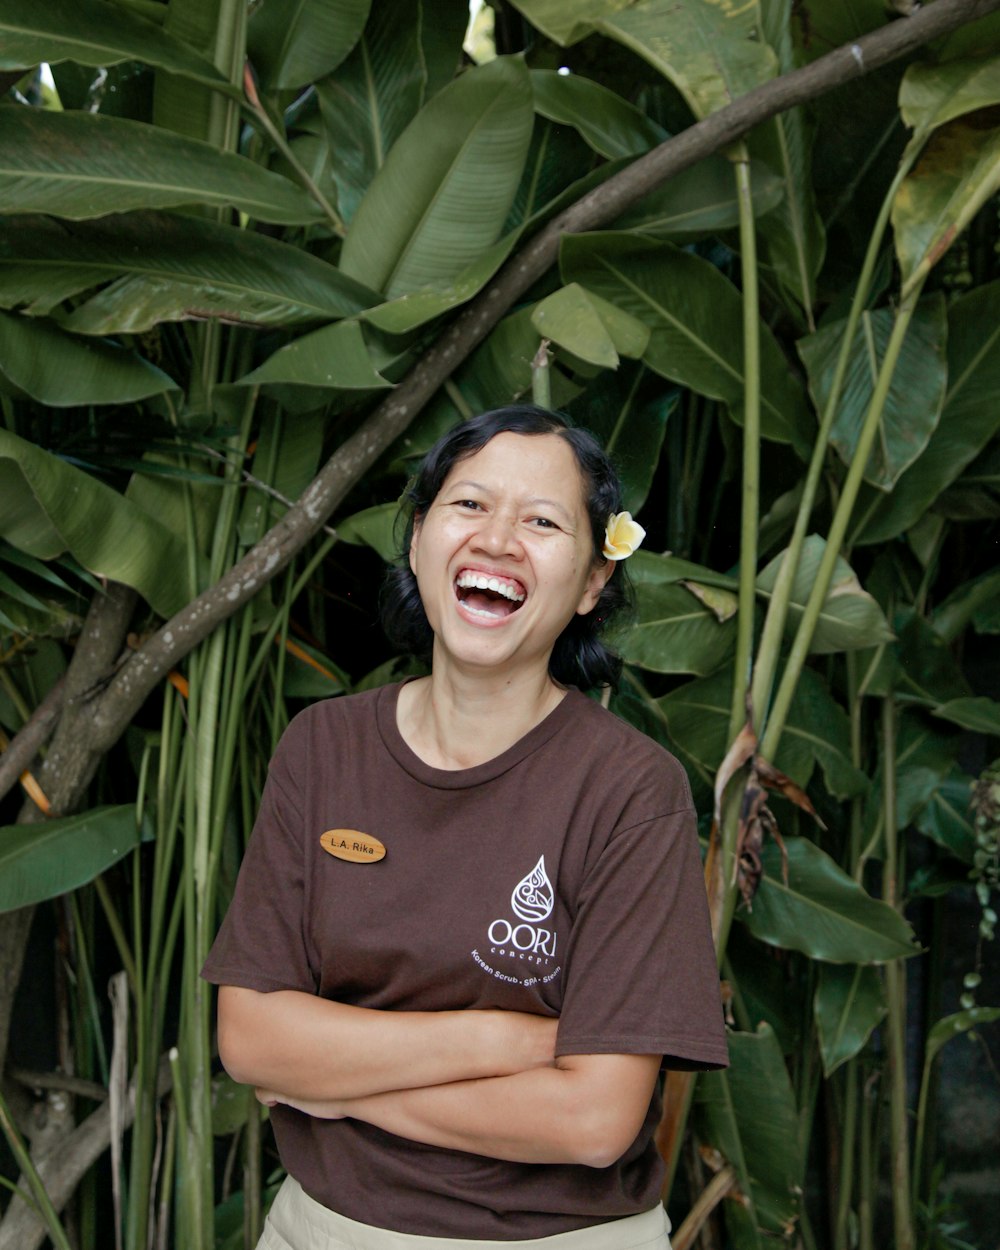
(524, 939)
(531, 901)
(533, 897)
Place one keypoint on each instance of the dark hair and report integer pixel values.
(579, 657)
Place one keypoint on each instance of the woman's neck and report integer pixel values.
(457, 721)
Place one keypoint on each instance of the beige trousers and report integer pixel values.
(298, 1222)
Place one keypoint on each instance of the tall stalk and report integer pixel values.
(777, 610)
(838, 529)
(722, 891)
(718, 867)
(895, 981)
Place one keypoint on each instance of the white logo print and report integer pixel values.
(525, 942)
(533, 897)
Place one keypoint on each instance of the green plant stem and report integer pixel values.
(722, 892)
(838, 528)
(334, 219)
(926, 1126)
(777, 609)
(454, 393)
(117, 932)
(896, 995)
(867, 1171)
(252, 1180)
(30, 1174)
(541, 376)
(751, 453)
(848, 1136)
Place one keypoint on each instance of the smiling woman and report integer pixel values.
(460, 1039)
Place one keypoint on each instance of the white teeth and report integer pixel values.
(469, 580)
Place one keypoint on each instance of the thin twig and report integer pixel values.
(60, 1081)
(249, 478)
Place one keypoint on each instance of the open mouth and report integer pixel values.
(488, 596)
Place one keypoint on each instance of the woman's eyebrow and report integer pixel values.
(527, 503)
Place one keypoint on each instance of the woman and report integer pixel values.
(540, 866)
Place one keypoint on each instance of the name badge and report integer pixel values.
(352, 845)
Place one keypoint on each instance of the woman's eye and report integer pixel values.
(544, 523)
(470, 504)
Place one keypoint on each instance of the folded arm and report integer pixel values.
(312, 1048)
(586, 1109)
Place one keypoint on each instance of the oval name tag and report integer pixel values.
(352, 845)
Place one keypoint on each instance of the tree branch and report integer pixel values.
(30, 737)
(161, 652)
(62, 1169)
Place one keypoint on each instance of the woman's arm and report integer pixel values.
(312, 1048)
(586, 1109)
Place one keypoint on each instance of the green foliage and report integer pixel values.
(200, 304)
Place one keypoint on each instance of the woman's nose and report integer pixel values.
(498, 533)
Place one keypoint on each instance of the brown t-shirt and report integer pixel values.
(562, 878)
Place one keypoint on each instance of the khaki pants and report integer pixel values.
(298, 1222)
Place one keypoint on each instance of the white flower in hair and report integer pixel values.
(622, 537)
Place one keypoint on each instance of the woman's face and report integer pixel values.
(504, 556)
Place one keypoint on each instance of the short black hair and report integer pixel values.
(580, 657)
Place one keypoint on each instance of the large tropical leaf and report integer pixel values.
(932, 95)
(589, 327)
(334, 358)
(93, 32)
(849, 618)
(701, 200)
(166, 267)
(849, 1005)
(710, 52)
(441, 198)
(974, 601)
(958, 172)
(56, 368)
(695, 315)
(374, 95)
(499, 371)
(817, 731)
(48, 506)
(675, 632)
(980, 715)
(82, 165)
(946, 817)
(748, 1115)
(44, 860)
(557, 157)
(919, 666)
(628, 411)
(609, 124)
(916, 393)
(793, 230)
(294, 42)
(969, 419)
(822, 911)
(375, 527)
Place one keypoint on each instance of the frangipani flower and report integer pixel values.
(622, 536)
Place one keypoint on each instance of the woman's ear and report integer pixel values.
(596, 582)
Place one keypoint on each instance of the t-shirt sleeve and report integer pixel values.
(641, 974)
(262, 944)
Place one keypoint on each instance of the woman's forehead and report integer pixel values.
(537, 466)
